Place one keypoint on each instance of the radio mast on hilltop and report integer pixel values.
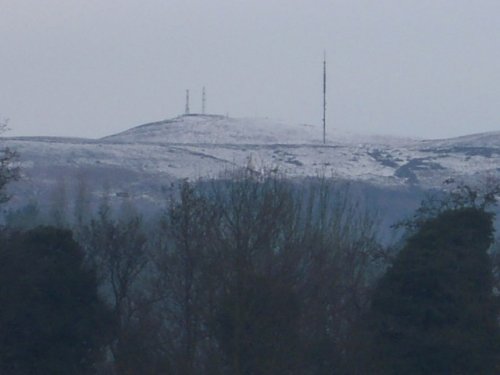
(187, 103)
(203, 101)
(324, 98)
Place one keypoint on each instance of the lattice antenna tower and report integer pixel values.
(187, 103)
(203, 101)
(324, 98)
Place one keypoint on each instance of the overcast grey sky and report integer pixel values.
(427, 68)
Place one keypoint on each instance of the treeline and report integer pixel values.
(249, 275)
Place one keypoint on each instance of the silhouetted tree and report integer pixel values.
(82, 203)
(186, 285)
(338, 248)
(253, 240)
(51, 319)
(257, 327)
(118, 251)
(260, 275)
(8, 170)
(434, 312)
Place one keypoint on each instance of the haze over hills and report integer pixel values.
(140, 162)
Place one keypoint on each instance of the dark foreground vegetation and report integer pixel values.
(250, 275)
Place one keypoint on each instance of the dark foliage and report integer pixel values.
(257, 328)
(51, 319)
(261, 276)
(8, 170)
(434, 311)
(248, 275)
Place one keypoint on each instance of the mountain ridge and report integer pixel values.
(143, 159)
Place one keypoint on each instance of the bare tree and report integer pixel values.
(256, 308)
(184, 265)
(339, 248)
(58, 210)
(262, 275)
(118, 250)
(81, 208)
(9, 171)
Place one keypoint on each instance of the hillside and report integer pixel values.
(140, 163)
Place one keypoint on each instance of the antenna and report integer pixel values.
(187, 103)
(324, 97)
(203, 100)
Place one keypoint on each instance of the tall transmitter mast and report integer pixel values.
(324, 98)
(203, 101)
(187, 103)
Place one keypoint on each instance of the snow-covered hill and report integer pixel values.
(141, 161)
(215, 129)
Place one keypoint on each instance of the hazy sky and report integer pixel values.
(427, 68)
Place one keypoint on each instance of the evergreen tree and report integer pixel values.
(51, 319)
(434, 311)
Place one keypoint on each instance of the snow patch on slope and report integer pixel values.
(195, 146)
(214, 129)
